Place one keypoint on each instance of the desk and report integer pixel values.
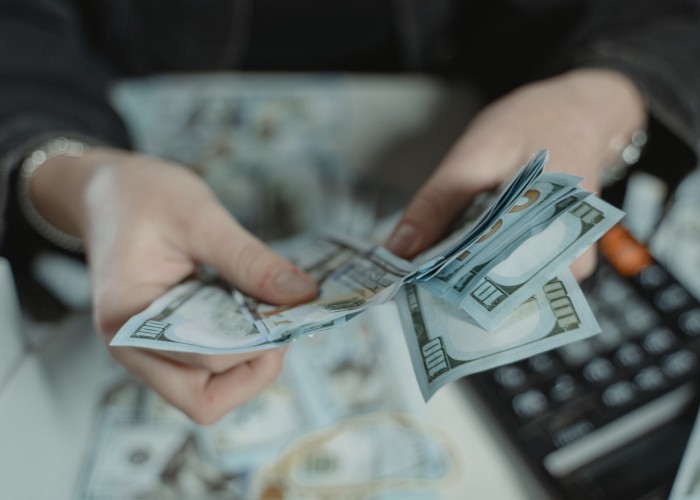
(397, 131)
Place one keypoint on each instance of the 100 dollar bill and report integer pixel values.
(198, 316)
(445, 344)
(493, 295)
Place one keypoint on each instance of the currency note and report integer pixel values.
(213, 318)
(445, 344)
(375, 456)
(144, 448)
(195, 316)
(539, 205)
(131, 458)
(433, 260)
(249, 435)
(326, 378)
(351, 276)
(491, 297)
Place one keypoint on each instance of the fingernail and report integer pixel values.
(403, 239)
(294, 283)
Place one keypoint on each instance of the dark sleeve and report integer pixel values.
(50, 85)
(656, 43)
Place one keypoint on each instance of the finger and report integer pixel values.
(430, 213)
(129, 283)
(202, 396)
(218, 240)
(213, 363)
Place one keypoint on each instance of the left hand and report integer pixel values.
(582, 117)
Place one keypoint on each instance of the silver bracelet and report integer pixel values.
(627, 156)
(32, 163)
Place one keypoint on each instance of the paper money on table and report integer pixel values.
(376, 456)
(325, 379)
(686, 486)
(327, 385)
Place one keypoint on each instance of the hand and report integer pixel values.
(583, 117)
(146, 225)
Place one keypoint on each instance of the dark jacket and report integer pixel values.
(59, 57)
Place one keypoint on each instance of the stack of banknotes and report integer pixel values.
(495, 290)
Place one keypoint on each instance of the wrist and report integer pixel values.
(54, 185)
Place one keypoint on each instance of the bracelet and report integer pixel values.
(627, 156)
(32, 163)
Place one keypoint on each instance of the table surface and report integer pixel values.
(48, 401)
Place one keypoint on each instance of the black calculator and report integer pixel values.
(608, 417)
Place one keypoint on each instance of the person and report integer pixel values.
(578, 77)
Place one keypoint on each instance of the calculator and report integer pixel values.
(608, 417)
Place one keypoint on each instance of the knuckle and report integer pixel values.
(204, 409)
(103, 320)
(204, 416)
(215, 364)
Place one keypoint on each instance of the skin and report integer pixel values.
(583, 118)
(147, 223)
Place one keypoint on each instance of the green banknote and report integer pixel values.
(446, 344)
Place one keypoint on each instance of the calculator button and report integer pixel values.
(640, 319)
(679, 363)
(577, 353)
(653, 276)
(529, 403)
(610, 335)
(613, 291)
(542, 363)
(598, 370)
(619, 394)
(672, 298)
(564, 389)
(650, 378)
(510, 377)
(689, 322)
(629, 355)
(659, 340)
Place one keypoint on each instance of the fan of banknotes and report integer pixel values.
(497, 289)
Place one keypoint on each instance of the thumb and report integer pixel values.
(428, 215)
(218, 240)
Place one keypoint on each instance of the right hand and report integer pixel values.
(146, 225)
(580, 116)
